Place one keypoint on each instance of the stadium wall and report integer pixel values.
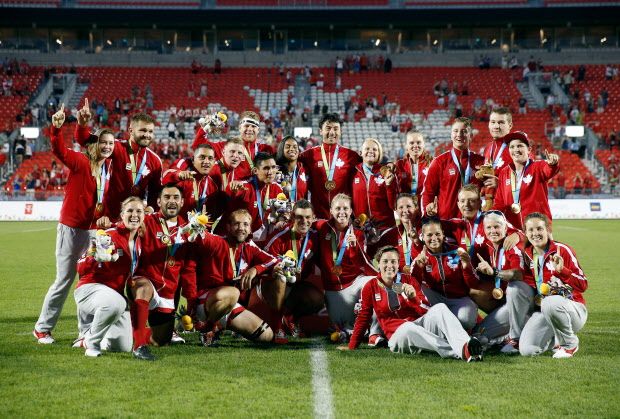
(560, 209)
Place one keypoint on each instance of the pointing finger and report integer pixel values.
(86, 103)
(62, 107)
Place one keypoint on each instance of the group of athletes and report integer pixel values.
(452, 254)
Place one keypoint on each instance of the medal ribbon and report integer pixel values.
(338, 259)
(136, 175)
(406, 246)
(200, 199)
(293, 193)
(414, 176)
(248, 156)
(498, 156)
(539, 264)
(470, 240)
(465, 175)
(172, 247)
(329, 168)
(299, 258)
(235, 265)
(261, 206)
(393, 302)
(516, 182)
(102, 184)
(134, 246)
(498, 265)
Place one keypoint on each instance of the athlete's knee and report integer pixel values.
(263, 333)
(526, 349)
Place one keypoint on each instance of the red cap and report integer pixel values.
(517, 135)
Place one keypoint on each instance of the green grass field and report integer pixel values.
(239, 380)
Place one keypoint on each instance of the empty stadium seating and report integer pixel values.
(141, 4)
(10, 106)
(30, 3)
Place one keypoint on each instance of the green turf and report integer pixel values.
(238, 380)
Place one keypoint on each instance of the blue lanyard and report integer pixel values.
(258, 198)
(517, 181)
(452, 256)
(141, 171)
(203, 195)
(464, 175)
(293, 193)
(414, 178)
(500, 262)
(539, 265)
(300, 257)
(332, 166)
(342, 247)
(134, 256)
(472, 233)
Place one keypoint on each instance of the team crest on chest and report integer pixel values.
(128, 166)
(507, 182)
(378, 296)
(549, 266)
(429, 268)
(357, 180)
(339, 162)
(479, 239)
(379, 180)
(527, 179)
(452, 172)
(303, 177)
(319, 163)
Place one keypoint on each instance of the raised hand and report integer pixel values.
(351, 239)
(84, 114)
(409, 291)
(464, 256)
(511, 241)
(422, 259)
(236, 186)
(490, 181)
(431, 209)
(186, 174)
(558, 262)
(59, 117)
(551, 159)
(484, 266)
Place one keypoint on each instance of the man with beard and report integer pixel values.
(200, 192)
(249, 128)
(330, 166)
(226, 267)
(164, 263)
(137, 169)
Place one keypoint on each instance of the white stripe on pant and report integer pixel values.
(71, 243)
(437, 331)
(103, 319)
(556, 324)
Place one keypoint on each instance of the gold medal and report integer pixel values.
(516, 208)
(330, 185)
(171, 262)
(337, 270)
(385, 170)
(165, 240)
(497, 293)
(407, 269)
(99, 208)
(538, 299)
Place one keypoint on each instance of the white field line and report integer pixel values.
(321, 387)
(571, 228)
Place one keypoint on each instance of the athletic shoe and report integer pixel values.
(339, 336)
(143, 353)
(377, 341)
(92, 353)
(291, 327)
(280, 338)
(472, 351)
(565, 353)
(78, 343)
(176, 339)
(44, 338)
(511, 347)
(210, 339)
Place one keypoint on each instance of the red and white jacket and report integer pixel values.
(301, 178)
(166, 271)
(282, 241)
(371, 196)
(121, 184)
(407, 245)
(404, 169)
(111, 274)
(448, 279)
(354, 261)
(374, 297)
(534, 195)
(79, 206)
(244, 170)
(466, 233)
(491, 154)
(444, 181)
(202, 188)
(512, 260)
(312, 161)
(214, 261)
(571, 274)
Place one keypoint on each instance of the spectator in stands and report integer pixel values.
(387, 66)
(605, 96)
(561, 185)
(522, 105)
(338, 83)
(339, 65)
(217, 66)
(172, 127)
(577, 184)
(609, 72)
(581, 73)
(19, 149)
(588, 181)
(203, 88)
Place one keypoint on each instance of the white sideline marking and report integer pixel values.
(321, 387)
(571, 228)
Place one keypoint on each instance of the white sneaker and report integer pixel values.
(44, 338)
(176, 339)
(562, 353)
(78, 343)
(93, 353)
